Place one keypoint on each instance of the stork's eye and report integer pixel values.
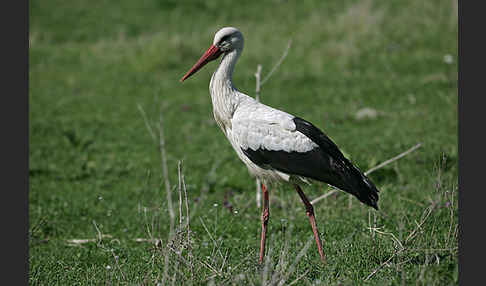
(224, 39)
(225, 43)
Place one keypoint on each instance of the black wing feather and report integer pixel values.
(325, 163)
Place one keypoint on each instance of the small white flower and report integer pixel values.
(411, 98)
(448, 59)
(365, 113)
(108, 267)
(215, 205)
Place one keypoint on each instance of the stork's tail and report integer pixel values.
(358, 184)
(336, 169)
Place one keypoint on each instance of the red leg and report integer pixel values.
(310, 213)
(265, 218)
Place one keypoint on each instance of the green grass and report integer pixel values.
(94, 164)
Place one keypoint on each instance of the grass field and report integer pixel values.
(104, 76)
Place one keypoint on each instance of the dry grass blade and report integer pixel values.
(151, 240)
(382, 265)
(404, 245)
(212, 238)
(224, 261)
(297, 259)
(188, 217)
(300, 277)
(283, 262)
(451, 217)
(118, 264)
(168, 191)
(187, 204)
(144, 116)
(166, 173)
(100, 236)
(425, 216)
(410, 201)
(211, 268)
(179, 189)
(266, 267)
(433, 249)
(179, 255)
(394, 238)
(36, 226)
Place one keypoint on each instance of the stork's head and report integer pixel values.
(226, 40)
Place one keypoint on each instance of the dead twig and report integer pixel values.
(280, 61)
(150, 240)
(258, 75)
(258, 193)
(393, 159)
(259, 83)
(257, 97)
(78, 241)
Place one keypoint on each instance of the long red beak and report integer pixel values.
(211, 54)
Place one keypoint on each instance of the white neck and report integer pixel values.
(223, 94)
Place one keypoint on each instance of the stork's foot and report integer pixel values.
(310, 213)
(265, 219)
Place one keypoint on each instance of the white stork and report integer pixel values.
(276, 146)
